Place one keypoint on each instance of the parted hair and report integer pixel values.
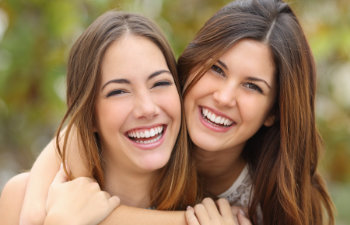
(283, 158)
(176, 186)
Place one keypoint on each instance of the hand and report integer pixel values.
(79, 201)
(206, 213)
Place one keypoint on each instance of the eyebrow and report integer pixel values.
(249, 78)
(259, 80)
(126, 81)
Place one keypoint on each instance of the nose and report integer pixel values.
(225, 95)
(145, 107)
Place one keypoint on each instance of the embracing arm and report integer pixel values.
(40, 178)
(41, 175)
(13, 194)
(44, 171)
(125, 215)
(12, 198)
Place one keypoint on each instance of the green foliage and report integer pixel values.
(39, 33)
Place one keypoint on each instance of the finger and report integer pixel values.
(191, 219)
(60, 177)
(225, 208)
(211, 208)
(113, 202)
(235, 210)
(242, 219)
(201, 214)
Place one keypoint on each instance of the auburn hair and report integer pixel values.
(283, 158)
(176, 186)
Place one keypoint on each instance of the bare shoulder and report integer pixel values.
(12, 198)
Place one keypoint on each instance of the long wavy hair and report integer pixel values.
(283, 158)
(176, 187)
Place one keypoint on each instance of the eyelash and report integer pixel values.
(120, 91)
(162, 83)
(116, 92)
(217, 69)
(253, 86)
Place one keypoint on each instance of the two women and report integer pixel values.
(249, 82)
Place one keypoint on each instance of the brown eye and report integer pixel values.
(116, 92)
(254, 87)
(162, 83)
(217, 69)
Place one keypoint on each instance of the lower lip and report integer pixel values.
(150, 146)
(212, 126)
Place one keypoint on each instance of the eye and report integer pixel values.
(162, 83)
(253, 86)
(217, 69)
(116, 92)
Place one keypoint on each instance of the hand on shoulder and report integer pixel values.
(220, 213)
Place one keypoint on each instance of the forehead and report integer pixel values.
(132, 55)
(250, 57)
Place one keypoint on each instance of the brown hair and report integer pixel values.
(176, 187)
(283, 158)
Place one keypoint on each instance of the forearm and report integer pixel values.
(124, 215)
(12, 198)
(41, 175)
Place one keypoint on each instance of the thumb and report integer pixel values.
(60, 177)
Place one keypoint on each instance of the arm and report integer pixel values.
(33, 209)
(13, 193)
(12, 198)
(80, 201)
(41, 175)
(125, 215)
(44, 171)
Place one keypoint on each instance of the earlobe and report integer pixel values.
(269, 121)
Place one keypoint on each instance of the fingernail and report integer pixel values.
(189, 208)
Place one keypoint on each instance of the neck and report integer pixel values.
(132, 188)
(219, 169)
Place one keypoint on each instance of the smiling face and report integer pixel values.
(233, 99)
(137, 106)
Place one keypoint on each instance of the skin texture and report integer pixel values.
(241, 89)
(135, 96)
(90, 206)
(11, 199)
(211, 213)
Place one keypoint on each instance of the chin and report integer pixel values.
(154, 164)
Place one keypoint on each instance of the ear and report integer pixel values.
(270, 120)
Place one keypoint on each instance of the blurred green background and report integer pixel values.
(36, 35)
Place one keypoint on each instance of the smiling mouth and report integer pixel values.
(215, 119)
(146, 136)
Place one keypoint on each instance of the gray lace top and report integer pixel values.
(239, 193)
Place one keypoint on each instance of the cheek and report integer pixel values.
(254, 108)
(111, 114)
(169, 101)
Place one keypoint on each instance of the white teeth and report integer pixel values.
(146, 133)
(148, 141)
(215, 118)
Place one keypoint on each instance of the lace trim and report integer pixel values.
(239, 192)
